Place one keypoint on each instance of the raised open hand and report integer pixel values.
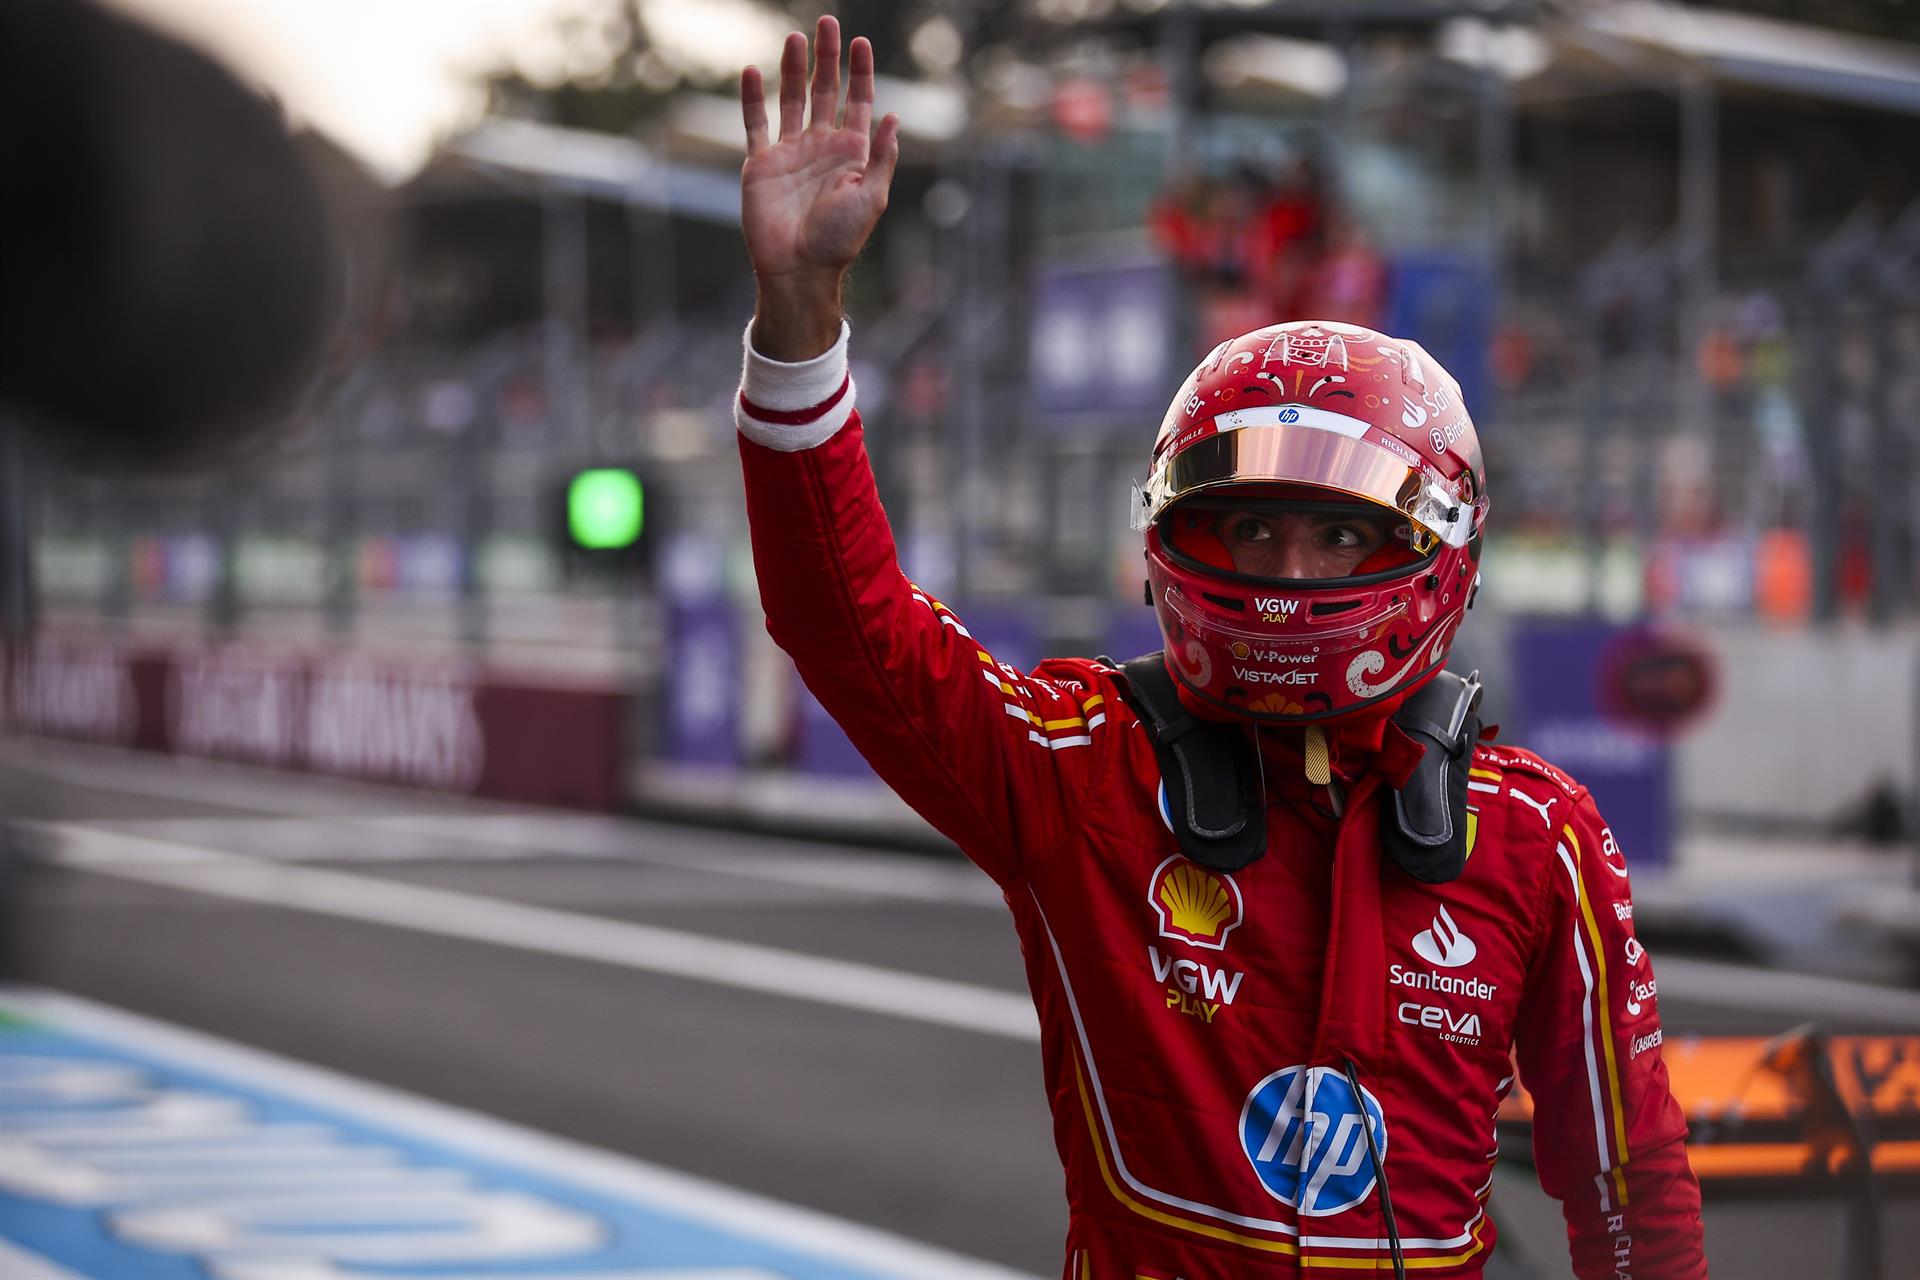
(809, 201)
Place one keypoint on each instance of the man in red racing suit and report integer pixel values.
(1202, 1030)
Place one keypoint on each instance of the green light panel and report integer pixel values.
(605, 509)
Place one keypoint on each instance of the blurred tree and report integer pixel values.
(628, 82)
(913, 40)
(624, 76)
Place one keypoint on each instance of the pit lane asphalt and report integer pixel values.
(939, 1133)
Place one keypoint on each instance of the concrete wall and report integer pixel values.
(1806, 723)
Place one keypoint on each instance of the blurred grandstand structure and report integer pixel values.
(1674, 253)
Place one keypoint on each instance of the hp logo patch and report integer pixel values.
(1289, 415)
(1300, 1128)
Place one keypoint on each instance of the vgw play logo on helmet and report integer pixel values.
(1301, 1130)
(1194, 904)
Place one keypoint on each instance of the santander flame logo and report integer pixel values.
(1443, 944)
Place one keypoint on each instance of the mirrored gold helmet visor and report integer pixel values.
(1305, 455)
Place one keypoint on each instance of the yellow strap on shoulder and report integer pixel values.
(1319, 766)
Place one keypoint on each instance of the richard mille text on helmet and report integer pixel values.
(1285, 1062)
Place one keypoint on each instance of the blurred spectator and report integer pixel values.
(1282, 242)
(1348, 281)
(1177, 219)
(1255, 250)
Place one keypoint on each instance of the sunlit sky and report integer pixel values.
(385, 77)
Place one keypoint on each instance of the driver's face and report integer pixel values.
(1300, 544)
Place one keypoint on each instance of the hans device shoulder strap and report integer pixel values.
(1210, 771)
(1426, 821)
(1216, 795)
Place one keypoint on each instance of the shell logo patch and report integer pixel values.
(1194, 904)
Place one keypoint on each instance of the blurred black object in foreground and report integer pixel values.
(168, 272)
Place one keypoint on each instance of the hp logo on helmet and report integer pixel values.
(1300, 1128)
(1289, 415)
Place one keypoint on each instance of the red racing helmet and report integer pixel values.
(1313, 413)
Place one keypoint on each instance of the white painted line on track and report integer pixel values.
(221, 783)
(746, 966)
(697, 1198)
(501, 830)
(868, 875)
(716, 856)
(311, 839)
(791, 974)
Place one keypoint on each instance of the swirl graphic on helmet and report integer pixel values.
(1197, 661)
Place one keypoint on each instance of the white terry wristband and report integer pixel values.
(790, 407)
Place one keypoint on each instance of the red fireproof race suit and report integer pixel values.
(1200, 1030)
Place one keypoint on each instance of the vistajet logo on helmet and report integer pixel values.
(1272, 806)
(1388, 440)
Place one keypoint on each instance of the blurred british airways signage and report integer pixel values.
(1100, 338)
(450, 726)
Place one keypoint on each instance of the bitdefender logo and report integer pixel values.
(1443, 944)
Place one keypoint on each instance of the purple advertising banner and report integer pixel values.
(1007, 632)
(1558, 667)
(1444, 302)
(703, 688)
(1100, 340)
(1131, 632)
(821, 747)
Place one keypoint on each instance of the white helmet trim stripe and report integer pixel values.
(1291, 415)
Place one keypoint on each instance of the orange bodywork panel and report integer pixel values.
(1752, 1126)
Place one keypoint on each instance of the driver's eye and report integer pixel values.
(1342, 535)
(1248, 529)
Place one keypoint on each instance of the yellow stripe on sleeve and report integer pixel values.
(1606, 1029)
